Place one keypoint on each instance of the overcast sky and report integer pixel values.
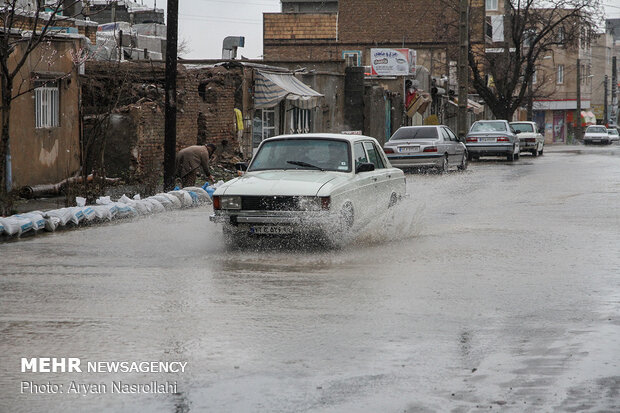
(205, 23)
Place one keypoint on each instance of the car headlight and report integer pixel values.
(309, 203)
(230, 202)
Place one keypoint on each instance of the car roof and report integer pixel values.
(341, 136)
(522, 121)
(490, 120)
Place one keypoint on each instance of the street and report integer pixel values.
(493, 289)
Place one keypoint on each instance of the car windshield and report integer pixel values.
(428, 132)
(488, 127)
(612, 131)
(307, 154)
(596, 129)
(522, 127)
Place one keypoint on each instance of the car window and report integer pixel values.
(445, 134)
(596, 129)
(359, 154)
(373, 155)
(488, 127)
(522, 127)
(309, 154)
(416, 132)
(452, 135)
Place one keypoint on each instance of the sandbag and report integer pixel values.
(184, 197)
(202, 195)
(14, 225)
(105, 212)
(66, 215)
(125, 211)
(36, 217)
(155, 205)
(176, 202)
(51, 223)
(163, 200)
(89, 213)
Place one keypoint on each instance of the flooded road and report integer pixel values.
(498, 288)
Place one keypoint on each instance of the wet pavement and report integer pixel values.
(494, 289)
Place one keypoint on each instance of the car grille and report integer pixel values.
(269, 203)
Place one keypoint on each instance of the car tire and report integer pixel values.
(464, 162)
(443, 168)
(535, 152)
(517, 156)
(510, 157)
(541, 150)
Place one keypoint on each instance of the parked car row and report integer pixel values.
(600, 134)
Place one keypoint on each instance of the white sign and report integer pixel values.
(392, 62)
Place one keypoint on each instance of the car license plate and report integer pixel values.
(488, 139)
(272, 229)
(596, 140)
(408, 149)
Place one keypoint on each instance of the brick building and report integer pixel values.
(348, 33)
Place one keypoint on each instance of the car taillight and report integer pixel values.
(216, 202)
(530, 139)
(430, 149)
(503, 139)
(388, 150)
(325, 202)
(472, 139)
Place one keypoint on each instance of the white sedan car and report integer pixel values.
(325, 185)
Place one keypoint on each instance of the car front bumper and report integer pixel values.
(416, 161)
(487, 149)
(300, 221)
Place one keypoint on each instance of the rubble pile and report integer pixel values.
(104, 210)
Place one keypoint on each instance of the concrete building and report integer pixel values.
(602, 52)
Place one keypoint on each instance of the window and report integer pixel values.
(491, 4)
(359, 154)
(534, 72)
(373, 155)
(306, 154)
(528, 38)
(46, 104)
(300, 120)
(415, 132)
(560, 37)
(352, 57)
(560, 72)
(264, 125)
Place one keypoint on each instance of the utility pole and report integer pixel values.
(605, 106)
(578, 110)
(463, 69)
(614, 93)
(170, 87)
(530, 100)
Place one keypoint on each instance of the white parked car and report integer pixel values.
(596, 134)
(530, 140)
(324, 185)
(614, 136)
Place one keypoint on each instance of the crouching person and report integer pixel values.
(189, 160)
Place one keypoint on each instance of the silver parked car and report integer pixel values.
(492, 138)
(530, 140)
(614, 136)
(426, 147)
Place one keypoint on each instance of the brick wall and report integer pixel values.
(300, 26)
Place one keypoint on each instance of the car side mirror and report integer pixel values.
(241, 166)
(365, 167)
(517, 132)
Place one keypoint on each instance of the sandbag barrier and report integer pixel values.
(104, 210)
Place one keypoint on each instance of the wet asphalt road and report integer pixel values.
(494, 289)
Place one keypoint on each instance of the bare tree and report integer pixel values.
(26, 26)
(501, 73)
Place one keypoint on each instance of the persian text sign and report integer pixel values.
(392, 62)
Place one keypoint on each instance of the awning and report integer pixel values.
(476, 107)
(418, 104)
(271, 88)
